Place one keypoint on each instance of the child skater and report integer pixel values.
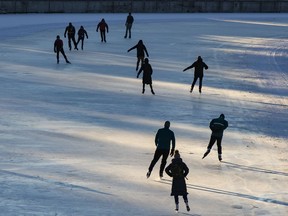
(178, 170)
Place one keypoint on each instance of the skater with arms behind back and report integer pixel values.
(58, 48)
(217, 126)
(178, 170)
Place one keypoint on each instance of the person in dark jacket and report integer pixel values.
(198, 72)
(81, 36)
(58, 48)
(217, 126)
(141, 50)
(147, 75)
(128, 24)
(70, 31)
(103, 26)
(163, 139)
(178, 170)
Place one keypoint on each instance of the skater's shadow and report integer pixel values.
(229, 193)
(236, 194)
(254, 169)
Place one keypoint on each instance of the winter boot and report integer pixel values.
(143, 91)
(206, 153)
(152, 92)
(220, 157)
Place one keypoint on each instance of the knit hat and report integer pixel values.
(176, 154)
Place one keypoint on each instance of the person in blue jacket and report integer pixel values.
(217, 126)
(163, 140)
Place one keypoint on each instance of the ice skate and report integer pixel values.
(206, 153)
(220, 157)
(148, 174)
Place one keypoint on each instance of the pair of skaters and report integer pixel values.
(178, 170)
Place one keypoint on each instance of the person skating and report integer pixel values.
(58, 48)
(141, 50)
(128, 25)
(103, 26)
(70, 31)
(147, 75)
(178, 170)
(217, 126)
(81, 36)
(163, 139)
(198, 65)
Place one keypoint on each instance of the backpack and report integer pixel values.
(176, 170)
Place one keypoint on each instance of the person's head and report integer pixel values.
(167, 124)
(130, 13)
(140, 42)
(199, 58)
(58, 37)
(81, 27)
(146, 60)
(70, 24)
(222, 116)
(103, 20)
(176, 154)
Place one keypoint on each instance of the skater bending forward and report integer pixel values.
(217, 126)
(178, 170)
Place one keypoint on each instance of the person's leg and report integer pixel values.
(176, 199)
(63, 53)
(156, 157)
(200, 84)
(219, 147)
(185, 198)
(193, 83)
(69, 42)
(57, 56)
(82, 43)
(74, 42)
(210, 145)
(104, 36)
(152, 89)
(143, 88)
(165, 154)
(126, 31)
(129, 29)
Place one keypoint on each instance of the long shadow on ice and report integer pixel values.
(254, 169)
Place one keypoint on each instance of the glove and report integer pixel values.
(172, 152)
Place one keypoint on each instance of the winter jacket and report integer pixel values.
(58, 45)
(82, 33)
(163, 139)
(129, 19)
(141, 48)
(178, 182)
(198, 65)
(103, 26)
(70, 29)
(218, 125)
(147, 73)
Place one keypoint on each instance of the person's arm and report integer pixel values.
(156, 138)
(131, 48)
(168, 170)
(146, 51)
(173, 144)
(191, 66)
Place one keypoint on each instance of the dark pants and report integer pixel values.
(72, 37)
(158, 153)
(177, 199)
(212, 141)
(128, 29)
(62, 52)
(82, 41)
(195, 80)
(103, 36)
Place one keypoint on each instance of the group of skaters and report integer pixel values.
(177, 169)
(199, 65)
